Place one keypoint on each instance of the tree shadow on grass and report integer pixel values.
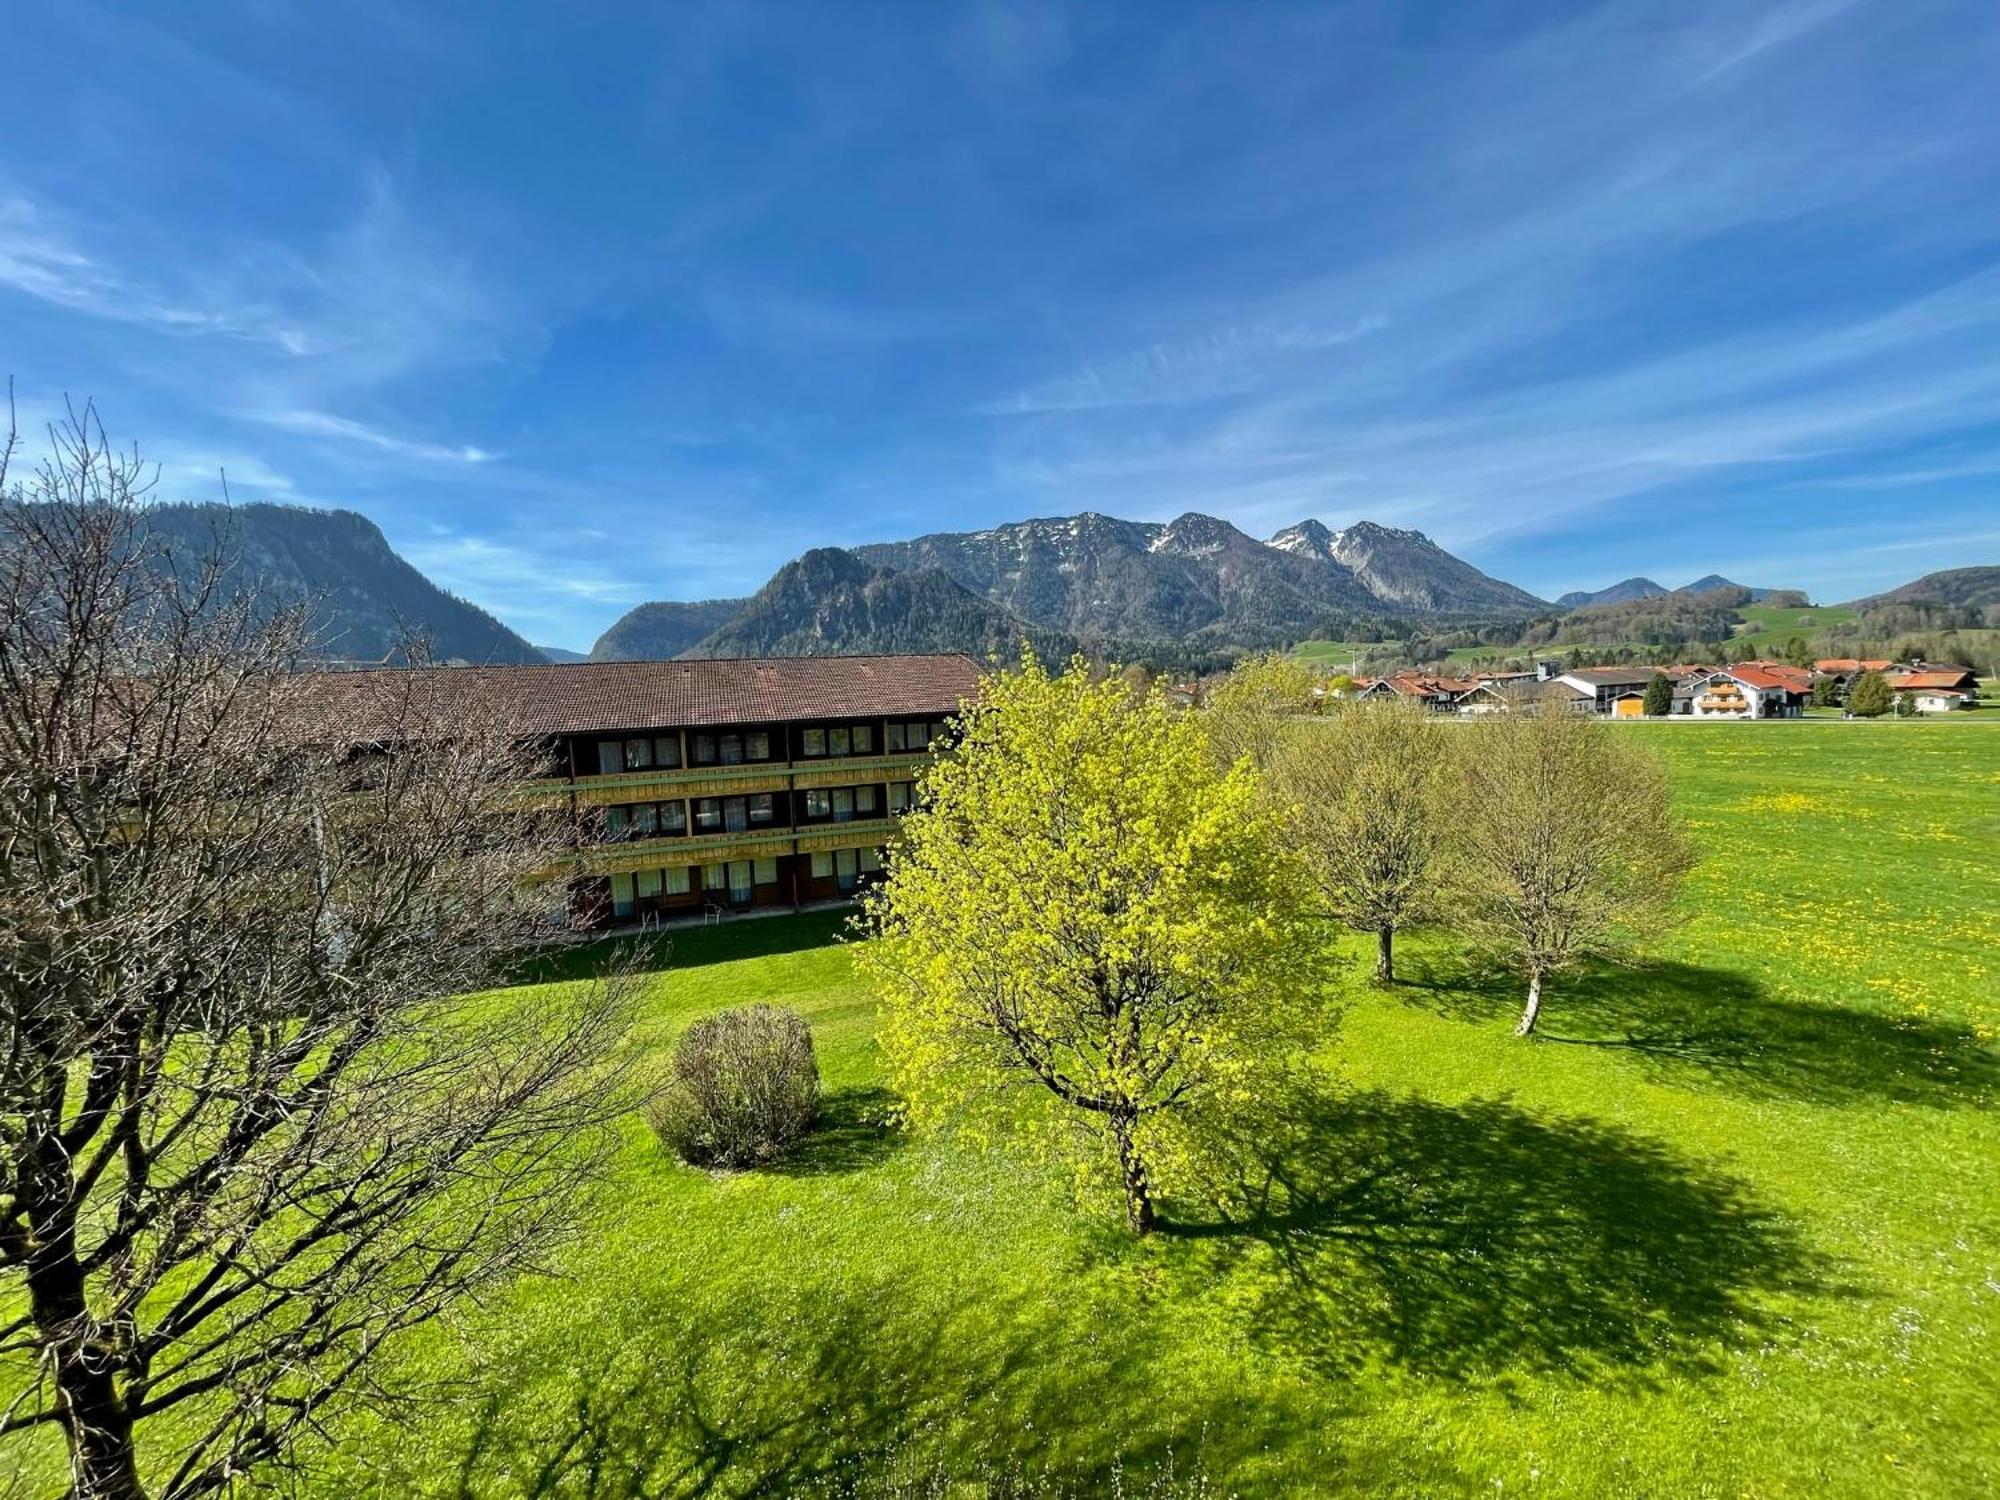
(1474, 1242)
(869, 1390)
(856, 1129)
(1686, 1022)
(690, 947)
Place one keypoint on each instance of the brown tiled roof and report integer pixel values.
(1946, 679)
(1769, 678)
(1843, 664)
(600, 697)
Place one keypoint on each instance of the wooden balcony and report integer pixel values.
(720, 781)
(714, 848)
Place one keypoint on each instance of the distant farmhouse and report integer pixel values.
(1742, 690)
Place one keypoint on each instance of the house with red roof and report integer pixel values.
(1937, 690)
(1763, 690)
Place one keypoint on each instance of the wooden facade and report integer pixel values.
(689, 832)
(705, 784)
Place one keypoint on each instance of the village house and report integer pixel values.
(1602, 689)
(1440, 694)
(1751, 691)
(1936, 690)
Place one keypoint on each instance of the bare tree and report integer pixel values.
(1367, 793)
(1567, 843)
(247, 1133)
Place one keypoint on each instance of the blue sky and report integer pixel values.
(586, 305)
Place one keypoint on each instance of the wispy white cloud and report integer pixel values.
(345, 429)
(1232, 361)
(40, 258)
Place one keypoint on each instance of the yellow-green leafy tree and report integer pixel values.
(1248, 709)
(1086, 932)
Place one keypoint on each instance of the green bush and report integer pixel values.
(745, 1085)
(1869, 697)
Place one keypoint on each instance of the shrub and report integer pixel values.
(1659, 697)
(1869, 696)
(745, 1085)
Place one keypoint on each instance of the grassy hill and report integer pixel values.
(1731, 1229)
(1769, 626)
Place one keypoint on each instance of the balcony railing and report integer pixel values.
(750, 776)
(712, 848)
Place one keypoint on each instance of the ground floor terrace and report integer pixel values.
(744, 877)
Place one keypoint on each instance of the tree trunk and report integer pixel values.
(1385, 955)
(1139, 1217)
(1534, 1008)
(103, 1462)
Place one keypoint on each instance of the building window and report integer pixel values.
(638, 755)
(763, 808)
(838, 742)
(864, 739)
(902, 794)
(812, 742)
(677, 881)
(610, 757)
(864, 799)
(818, 803)
(621, 895)
(712, 878)
(871, 860)
(735, 817)
(757, 746)
(616, 823)
(708, 814)
(673, 817)
(645, 821)
(846, 867)
(912, 736)
(739, 881)
(732, 749)
(667, 750)
(766, 871)
(843, 804)
(822, 866)
(704, 749)
(648, 883)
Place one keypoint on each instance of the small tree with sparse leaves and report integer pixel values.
(1567, 845)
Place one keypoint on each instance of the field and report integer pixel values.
(1337, 656)
(1732, 1228)
(1768, 627)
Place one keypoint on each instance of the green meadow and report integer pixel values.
(1732, 1228)
(1767, 626)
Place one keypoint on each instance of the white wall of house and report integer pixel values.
(1938, 702)
(1702, 689)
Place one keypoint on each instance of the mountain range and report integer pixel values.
(1973, 588)
(1627, 590)
(367, 601)
(1195, 589)
(1126, 587)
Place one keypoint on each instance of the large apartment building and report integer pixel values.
(722, 784)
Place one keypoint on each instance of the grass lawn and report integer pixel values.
(1337, 655)
(1731, 1229)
